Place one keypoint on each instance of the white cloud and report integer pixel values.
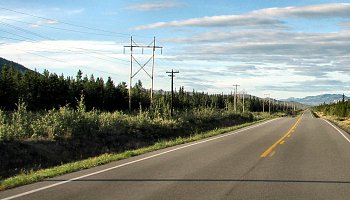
(345, 25)
(8, 17)
(311, 11)
(260, 18)
(155, 5)
(75, 11)
(284, 57)
(220, 21)
(43, 22)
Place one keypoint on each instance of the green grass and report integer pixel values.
(35, 176)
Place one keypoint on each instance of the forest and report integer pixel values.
(49, 90)
(339, 109)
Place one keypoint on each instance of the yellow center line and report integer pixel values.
(282, 142)
(272, 153)
(272, 147)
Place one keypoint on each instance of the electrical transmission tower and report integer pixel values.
(172, 89)
(133, 45)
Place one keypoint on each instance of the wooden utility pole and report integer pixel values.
(243, 100)
(172, 89)
(235, 98)
(268, 95)
(263, 102)
(133, 45)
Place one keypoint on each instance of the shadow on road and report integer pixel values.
(204, 180)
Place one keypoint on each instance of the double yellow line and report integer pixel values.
(281, 140)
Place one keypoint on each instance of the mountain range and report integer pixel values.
(318, 99)
(17, 66)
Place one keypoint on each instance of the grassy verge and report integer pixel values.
(341, 122)
(35, 176)
(315, 114)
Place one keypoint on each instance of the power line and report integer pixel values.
(54, 59)
(15, 34)
(64, 29)
(38, 35)
(24, 30)
(10, 38)
(62, 61)
(33, 33)
(68, 23)
(43, 56)
(65, 51)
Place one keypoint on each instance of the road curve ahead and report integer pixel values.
(286, 158)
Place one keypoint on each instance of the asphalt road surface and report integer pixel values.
(285, 158)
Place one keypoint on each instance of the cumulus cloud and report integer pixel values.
(260, 18)
(155, 5)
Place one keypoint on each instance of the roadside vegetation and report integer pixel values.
(31, 141)
(51, 125)
(338, 113)
(32, 176)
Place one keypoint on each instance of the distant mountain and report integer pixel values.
(317, 100)
(8, 63)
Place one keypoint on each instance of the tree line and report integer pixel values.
(340, 109)
(49, 90)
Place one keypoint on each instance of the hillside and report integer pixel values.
(17, 66)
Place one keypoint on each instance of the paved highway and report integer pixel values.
(285, 158)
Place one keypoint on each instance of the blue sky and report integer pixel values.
(284, 48)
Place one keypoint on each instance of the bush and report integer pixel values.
(55, 124)
(17, 124)
(63, 135)
(3, 126)
(68, 123)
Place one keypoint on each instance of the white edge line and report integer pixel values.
(135, 161)
(337, 130)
